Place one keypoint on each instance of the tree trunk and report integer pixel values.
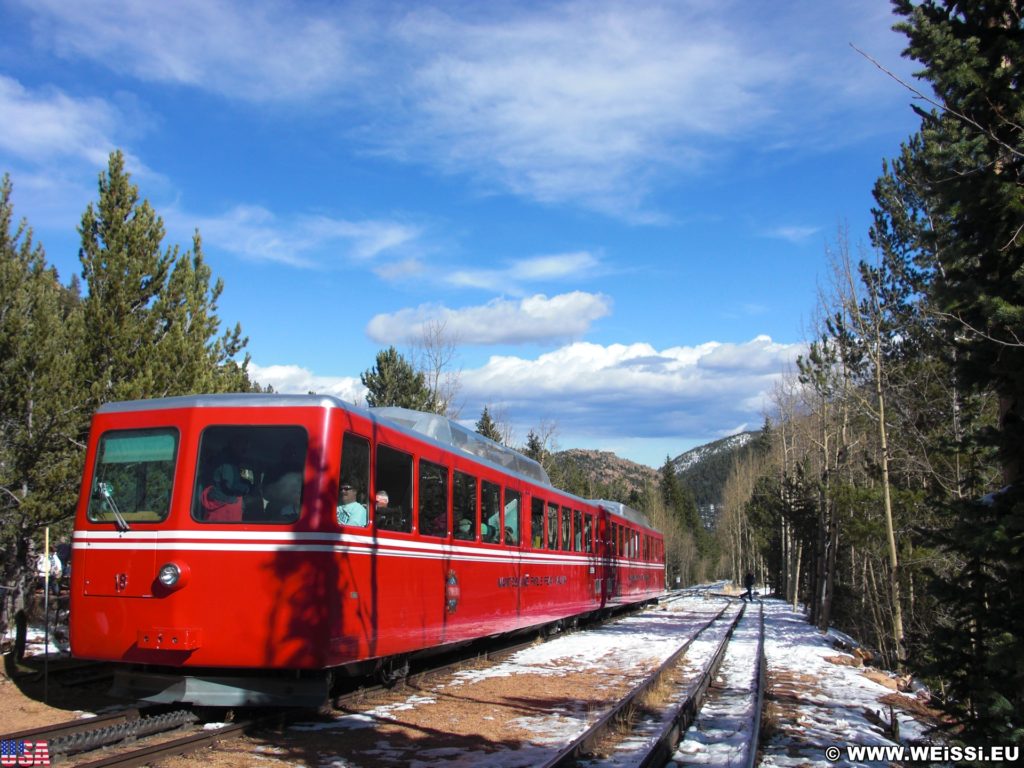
(796, 576)
(890, 533)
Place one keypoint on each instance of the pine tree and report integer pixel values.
(40, 404)
(188, 327)
(394, 382)
(486, 426)
(150, 313)
(959, 223)
(124, 271)
(679, 500)
(535, 449)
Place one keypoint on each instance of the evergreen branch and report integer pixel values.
(12, 494)
(1017, 342)
(1013, 238)
(942, 106)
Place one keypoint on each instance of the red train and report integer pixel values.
(243, 549)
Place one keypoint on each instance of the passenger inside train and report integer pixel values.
(236, 463)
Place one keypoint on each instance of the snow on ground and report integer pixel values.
(39, 642)
(831, 702)
(637, 643)
(828, 706)
(815, 703)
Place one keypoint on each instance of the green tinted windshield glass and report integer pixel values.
(134, 475)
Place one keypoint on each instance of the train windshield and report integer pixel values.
(133, 476)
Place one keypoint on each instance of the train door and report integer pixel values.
(605, 555)
(512, 536)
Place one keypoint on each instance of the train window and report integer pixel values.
(134, 476)
(614, 541)
(433, 499)
(250, 474)
(511, 517)
(552, 526)
(537, 523)
(490, 512)
(577, 527)
(354, 485)
(464, 507)
(588, 532)
(394, 490)
(566, 528)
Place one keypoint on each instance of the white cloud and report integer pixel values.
(501, 321)
(48, 124)
(582, 101)
(634, 390)
(633, 398)
(301, 241)
(535, 269)
(292, 379)
(792, 234)
(588, 103)
(259, 51)
(594, 103)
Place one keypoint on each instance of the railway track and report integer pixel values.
(132, 737)
(631, 739)
(701, 648)
(684, 677)
(730, 720)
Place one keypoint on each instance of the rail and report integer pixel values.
(587, 741)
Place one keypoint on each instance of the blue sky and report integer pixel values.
(617, 211)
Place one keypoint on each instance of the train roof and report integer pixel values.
(623, 510)
(449, 432)
(438, 428)
(433, 426)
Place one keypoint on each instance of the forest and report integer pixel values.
(882, 493)
(886, 496)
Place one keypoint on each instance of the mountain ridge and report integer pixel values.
(703, 469)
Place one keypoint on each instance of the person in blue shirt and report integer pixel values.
(350, 511)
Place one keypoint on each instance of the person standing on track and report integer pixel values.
(748, 582)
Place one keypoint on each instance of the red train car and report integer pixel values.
(241, 549)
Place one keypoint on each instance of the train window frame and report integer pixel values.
(566, 529)
(552, 526)
(537, 537)
(458, 497)
(490, 492)
(442, 474)
(512, 520)
(355, 513)
(588, 532)
(250, 474)
(577, 531)
(388, 480)
(102, 498)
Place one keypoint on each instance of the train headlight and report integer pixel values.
(173, 575)
(169, 575)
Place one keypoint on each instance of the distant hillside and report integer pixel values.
(596, 474)
(705, 469)
(602, 474)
